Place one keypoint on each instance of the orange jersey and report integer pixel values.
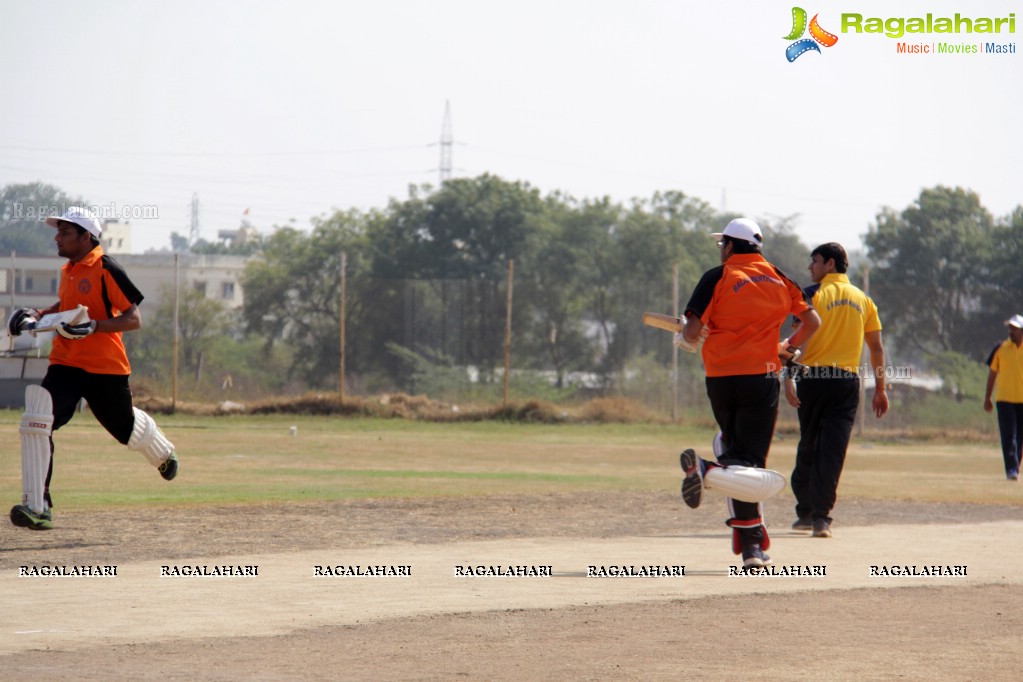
(99, 283)
(744, 302)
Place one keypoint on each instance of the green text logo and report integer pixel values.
(897, 27)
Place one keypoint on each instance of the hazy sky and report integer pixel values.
(293, 109)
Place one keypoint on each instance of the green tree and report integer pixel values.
(467, 231)
(470, 227)
(202, 322)
(962, 376)
(784, 248)
(652, 237)
(22, 207)
(555, 286)
(477, 225)
(1003, 295)
(292, 295)
(179, 243)
(252, 245)
(931, 263)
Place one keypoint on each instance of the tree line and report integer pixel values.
(427, 288)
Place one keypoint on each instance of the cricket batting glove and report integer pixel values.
(680, 341)
(21, 320)
(76, 331)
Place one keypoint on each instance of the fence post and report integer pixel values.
(342, 309)
(507, 330)
(177, 333)
(674, 350)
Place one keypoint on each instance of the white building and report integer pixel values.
(28, 282)
(31, 282)
(216, 277)
(116, 237)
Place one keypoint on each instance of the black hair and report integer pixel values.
(741, 245)
(81, 230)
(833, 251)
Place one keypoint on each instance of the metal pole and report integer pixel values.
(342, 312)
(177, 333)
(674, 350)
(507, 330)
(14, 288)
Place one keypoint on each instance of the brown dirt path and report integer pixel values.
(568, 627)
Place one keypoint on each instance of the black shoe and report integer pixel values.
(803, 523)
(23, 517)
(821, 528)
(169, 468)
(754, 557)
(692, 484)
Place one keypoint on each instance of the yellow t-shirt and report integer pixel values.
(846, 315)
(1007, 360)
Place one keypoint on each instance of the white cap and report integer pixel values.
(742, 228)
(1015, 321)
(82, 217)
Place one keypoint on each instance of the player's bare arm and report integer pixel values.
(692, 329)
(791, 396)
(991, 377)
(877, 361)
(809, 323)
(129, 320)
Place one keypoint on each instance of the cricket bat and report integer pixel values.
(660, 321)
(49, 323)
(674, 324)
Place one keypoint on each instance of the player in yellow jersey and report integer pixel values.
(828, 394)
(1006, 380)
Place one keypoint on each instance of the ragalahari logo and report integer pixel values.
(817, 35)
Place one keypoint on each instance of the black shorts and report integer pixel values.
(108, 395)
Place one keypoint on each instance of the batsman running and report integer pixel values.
(97, 303)
(737, 311)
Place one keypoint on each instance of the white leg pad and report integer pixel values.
(747, 484)
(35, 429)
(147, 438)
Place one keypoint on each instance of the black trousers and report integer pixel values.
(1010, 427)
(746, 409)
(827, 411)
(108, 395)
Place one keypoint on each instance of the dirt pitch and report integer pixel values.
(285, 624)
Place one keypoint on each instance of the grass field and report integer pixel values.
(429, 495)
(248, 460)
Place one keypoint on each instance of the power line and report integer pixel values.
(321, 152)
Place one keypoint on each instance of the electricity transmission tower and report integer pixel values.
(446, 142)
(193, 231)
